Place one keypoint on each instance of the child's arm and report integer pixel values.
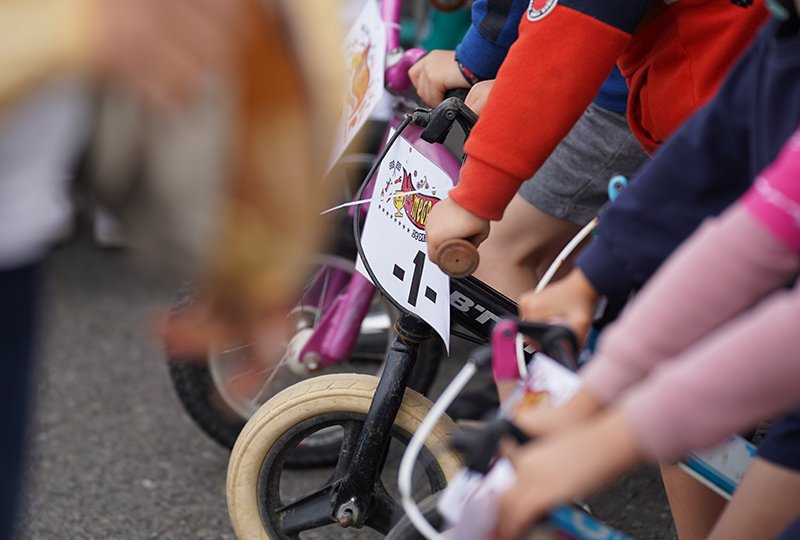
(563, 54)
(727, 370)
(477, 57)
(553, 71)
(725, 268)
(747, 369)
(491, 34)
(722, 270)
(742, 373)
(701, 170)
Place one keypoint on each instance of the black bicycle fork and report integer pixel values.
(353, 496)
(475, 307)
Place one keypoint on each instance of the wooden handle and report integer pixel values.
(458, 258)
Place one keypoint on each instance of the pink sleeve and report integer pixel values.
(724, 268)
(743, 372)
(774, 198)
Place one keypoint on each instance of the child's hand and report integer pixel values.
(571, 299)
(478, 95)
(564, 467)
(547, 420)
(434, 74)
(447, 220)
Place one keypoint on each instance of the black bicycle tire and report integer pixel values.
(405, 530)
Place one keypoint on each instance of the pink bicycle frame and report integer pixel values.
(334, 338)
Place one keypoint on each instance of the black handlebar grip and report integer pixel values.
(460, 93)
(458, 258)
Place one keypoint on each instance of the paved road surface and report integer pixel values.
(114, 456)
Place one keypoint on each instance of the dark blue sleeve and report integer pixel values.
(613, 95)
(495, 25)
(700, 171)
(494, 28)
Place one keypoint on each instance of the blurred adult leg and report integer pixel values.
(17, 325)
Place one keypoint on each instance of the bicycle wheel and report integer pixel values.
(405, 530)
(265, 502)
(205, 386)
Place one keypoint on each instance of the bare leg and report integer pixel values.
(521, 247)
(695, 508)
(765, 503)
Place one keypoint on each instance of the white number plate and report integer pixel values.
(365, 59)
(408, 185)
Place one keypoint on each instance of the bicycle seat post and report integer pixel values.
(356, 490)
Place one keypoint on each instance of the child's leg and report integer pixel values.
(768, 499)
(766, 502)
(519, 245)
(695, 508)
(566, 192)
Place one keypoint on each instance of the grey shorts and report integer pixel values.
(573, 182)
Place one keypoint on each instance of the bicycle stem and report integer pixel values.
(397, 65)
(391, 11)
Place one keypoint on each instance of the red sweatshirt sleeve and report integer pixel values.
(551, 74)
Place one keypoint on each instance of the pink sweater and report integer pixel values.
(710, 346)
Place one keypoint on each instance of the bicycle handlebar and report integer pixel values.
(460, 93)
(458, 258)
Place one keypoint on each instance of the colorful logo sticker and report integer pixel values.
(413, 207)
(539, 9)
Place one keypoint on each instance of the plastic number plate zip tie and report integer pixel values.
(365, 201)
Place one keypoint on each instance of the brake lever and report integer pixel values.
(480, 447)
(441, 119)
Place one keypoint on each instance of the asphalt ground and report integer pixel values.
(113, 455)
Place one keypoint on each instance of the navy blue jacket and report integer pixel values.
(495, 25)
(703, 168)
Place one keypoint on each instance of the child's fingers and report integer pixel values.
(518, 509)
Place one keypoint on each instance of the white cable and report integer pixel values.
(378, 198)
(365, 201)
(519, 350)
(405, 473)
(565, 253)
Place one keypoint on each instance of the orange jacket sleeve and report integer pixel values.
(551, 74)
